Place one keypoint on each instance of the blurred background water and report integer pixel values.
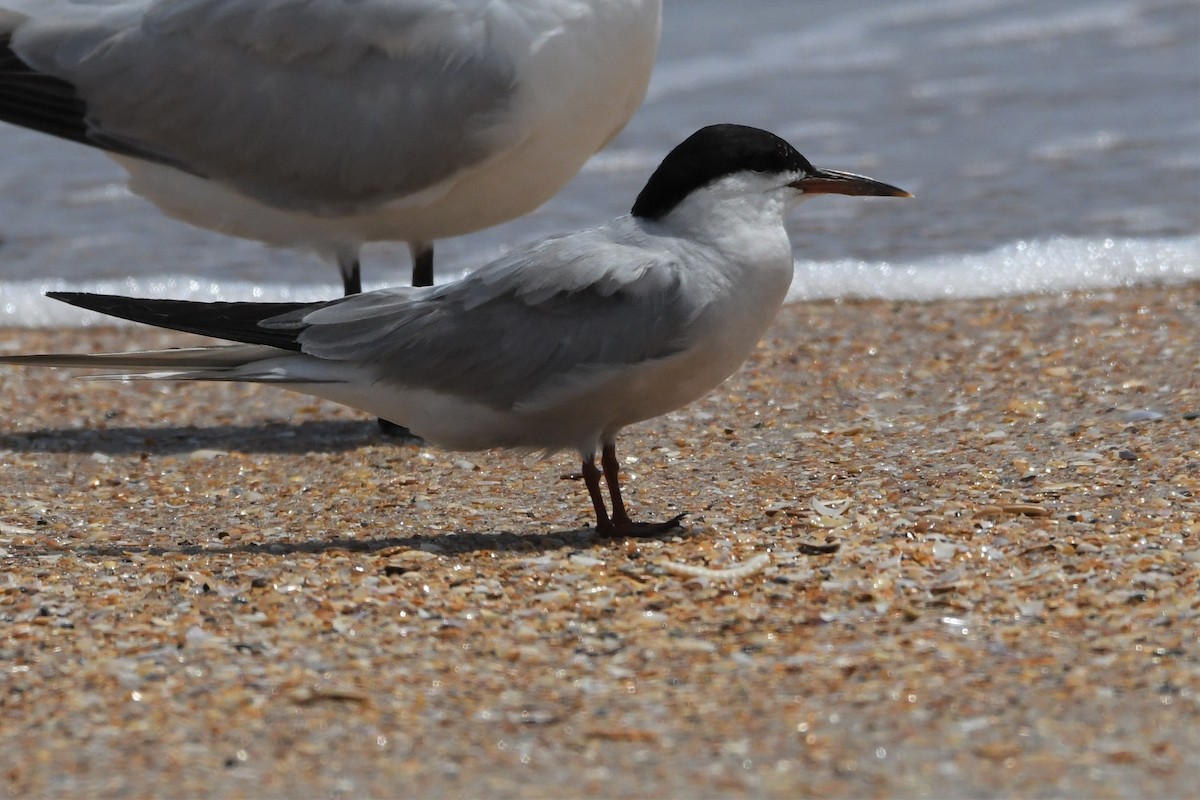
(1051, 146)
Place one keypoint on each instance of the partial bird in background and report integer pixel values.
(331, 123)
(555, 346)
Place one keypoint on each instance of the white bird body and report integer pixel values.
(557, 345)
(722, 301)
(331, 123)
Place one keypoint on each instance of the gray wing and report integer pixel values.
(517, 327)
(328, 106)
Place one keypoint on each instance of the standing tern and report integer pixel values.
(331, 123)
(556, 346)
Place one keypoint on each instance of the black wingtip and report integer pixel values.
(238, 322)
(47, 104)
(40, 102)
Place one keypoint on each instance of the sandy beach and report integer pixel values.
(945, 549)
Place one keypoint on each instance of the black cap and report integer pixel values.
(712, 153)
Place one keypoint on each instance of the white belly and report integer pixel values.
(579, 413)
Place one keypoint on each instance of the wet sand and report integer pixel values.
(943, 549)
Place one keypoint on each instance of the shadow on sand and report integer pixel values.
(459, 542)
(280, 438)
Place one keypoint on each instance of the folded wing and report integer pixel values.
(500, 336)
(151, 80)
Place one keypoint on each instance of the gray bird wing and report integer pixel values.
(518, 327)
(325, 106)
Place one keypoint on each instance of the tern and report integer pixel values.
(556, 346)
(331, 123)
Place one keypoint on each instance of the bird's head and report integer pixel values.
(738, 163)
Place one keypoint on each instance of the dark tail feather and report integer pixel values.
(237, 322)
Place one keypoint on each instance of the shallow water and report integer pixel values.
(1050, 146)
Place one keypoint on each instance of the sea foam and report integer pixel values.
(1034, 267)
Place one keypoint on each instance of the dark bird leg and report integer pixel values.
(351, 270)
(422, 275)
(620, 524)
(612, 476)
(422, 261)
(351, 274)
(591, 478)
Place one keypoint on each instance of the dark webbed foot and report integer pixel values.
(633, 529)
(398, 432)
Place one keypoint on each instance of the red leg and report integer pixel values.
(591, 477)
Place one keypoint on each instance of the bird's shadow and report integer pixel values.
(329, 436)
(282, 438)
(450, 544)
